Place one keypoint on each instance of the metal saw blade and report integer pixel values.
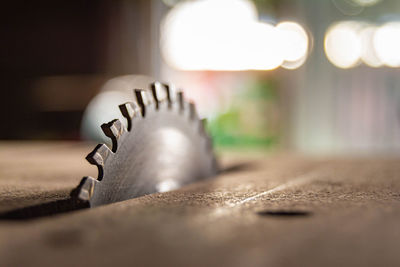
(163, 147)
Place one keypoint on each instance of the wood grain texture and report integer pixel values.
(276, 210)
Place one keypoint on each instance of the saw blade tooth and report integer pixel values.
(159, 93)
(170, 90)
(209, 143)
(181, 100)
(115, 130)
(214, 164)
(202, 127)
(143, 99)
(86, 187)
(129, 110)
(99, 155)
(192, 111)
(202, 130)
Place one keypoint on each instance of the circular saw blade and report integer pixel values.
(163, 147)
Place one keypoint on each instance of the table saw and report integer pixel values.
(262, 209)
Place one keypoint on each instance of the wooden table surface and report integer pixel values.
(263, 210)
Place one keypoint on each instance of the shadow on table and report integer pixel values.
(72, 204)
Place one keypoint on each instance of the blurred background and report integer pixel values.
(318, 77)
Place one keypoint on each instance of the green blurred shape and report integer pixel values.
(252, 120)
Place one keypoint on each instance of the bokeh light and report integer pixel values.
(368, 54)
(263, 50)
(366, 3)
(226, 35)
(342, 44)
(205, 34)
(294, 43)
(387, 43)
(349, 42)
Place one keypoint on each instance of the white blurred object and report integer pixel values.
(263, 50)
(368, 54)
(294, 40)
(226, 35)
(295, 44)
(366, 3)
(387, 43)
(343, 45)
(104, 106)
(204, 34)
(349, 42)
